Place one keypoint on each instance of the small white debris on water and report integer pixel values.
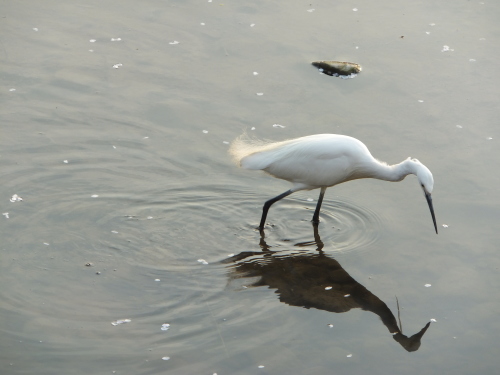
(432, 24)
(46, 243)
(255, 73)
(165, 327)
(260, 93)
(174, 42)
(209, 1)
(472, 60)
(433, 320)
(202, 261)
(92, 40)
(12, 90)
(354, 9)
(114, 231)
(225, 142)
(114, 147)
(165, 358)
(35, 29)
(94, 196)
(427, 32)
(6, 214)
(310, 199)
(427, 285)
(120, 321)
(261, 366)
(65, 161)
(145, 137)
(445, 225)
(16, 198)
(349, 356)
(330, 325)
(420, 101)
(328, 288)
(91, 50)
(116, 66)
(252, 25)
(278, 126)
(157, 279)
(347, 295)
(357, 47)
(310, 10)
(149, 217)
(489, 138)
(459, 126)
(253, 128)
(202, 23)
(116, 39)
(447, 48)
(205, 131)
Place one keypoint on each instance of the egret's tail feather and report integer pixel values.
(244, 146)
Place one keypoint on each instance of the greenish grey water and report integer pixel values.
(147, 139)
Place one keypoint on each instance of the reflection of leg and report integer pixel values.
(315, 219)
(269, 204)
(317, 239)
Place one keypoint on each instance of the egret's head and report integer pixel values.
(424, 176)
(426, 181)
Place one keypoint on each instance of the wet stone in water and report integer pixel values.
(342, 69)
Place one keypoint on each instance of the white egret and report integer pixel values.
(321, 161)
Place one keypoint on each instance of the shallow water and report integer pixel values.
(133, 210)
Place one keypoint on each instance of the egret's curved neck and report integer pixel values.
(395, 172)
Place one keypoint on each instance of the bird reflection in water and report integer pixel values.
(316, 281)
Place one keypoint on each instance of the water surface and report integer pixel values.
(133, 210)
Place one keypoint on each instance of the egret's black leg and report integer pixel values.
(268, 204)
(315, 219)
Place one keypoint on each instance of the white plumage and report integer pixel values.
(321, 161)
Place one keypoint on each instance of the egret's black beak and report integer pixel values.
(429, 202)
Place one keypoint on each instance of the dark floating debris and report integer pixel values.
(342, 69)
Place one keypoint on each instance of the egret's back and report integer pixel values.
(308, 162)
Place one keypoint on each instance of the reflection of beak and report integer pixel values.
(411, 344)
(429, 202)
